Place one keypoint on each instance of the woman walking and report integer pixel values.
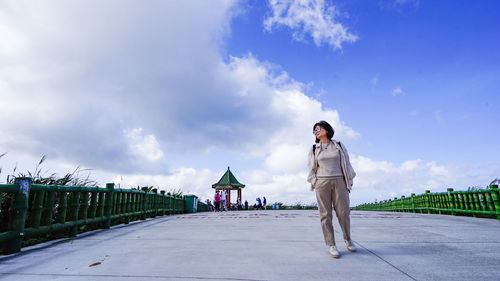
(331, 175)
(217, 201)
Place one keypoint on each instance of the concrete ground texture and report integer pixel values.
(269, 245)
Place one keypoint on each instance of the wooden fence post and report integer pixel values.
(36, 215)
(18, 215)
(163, 206)
(73, 211)
(93, 205)
(451, 201)
(428, 201)
(413, 203)
(155, 202)
(48, 208)
(108, 205)
(144, 203)
(496, 199)
(477, 202)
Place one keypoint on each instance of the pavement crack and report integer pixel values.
(384, 260)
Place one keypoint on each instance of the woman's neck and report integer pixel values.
(324, 140)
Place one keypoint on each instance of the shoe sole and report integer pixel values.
(334, 256)
(352, 251)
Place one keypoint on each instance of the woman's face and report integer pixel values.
(319, 132)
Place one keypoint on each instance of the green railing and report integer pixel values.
(202, 207)
(481, 203)
(34, 210)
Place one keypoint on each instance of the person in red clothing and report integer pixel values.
(217, 201)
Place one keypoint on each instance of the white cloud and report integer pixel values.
(398, 92)
(95, 89)
(374, 81)
(285, 188)
(106, 93)
(286, 158)
(288, 188)
(145, 146)
(385, 180)
(375, 180)
(189, 180)
(85, 82)
(309, 17)
(291, 114)
(13, 43)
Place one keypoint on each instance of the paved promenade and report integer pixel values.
(269, 245)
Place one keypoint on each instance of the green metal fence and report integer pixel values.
(480, 203)
(33, 210)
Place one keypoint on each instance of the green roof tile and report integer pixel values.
(228, 181)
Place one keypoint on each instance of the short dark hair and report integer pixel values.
(329, 130)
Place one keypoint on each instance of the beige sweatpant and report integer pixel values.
(333, 191)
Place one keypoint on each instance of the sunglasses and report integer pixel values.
(317, 129)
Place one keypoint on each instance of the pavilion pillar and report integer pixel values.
(228, 201)
(239, 194)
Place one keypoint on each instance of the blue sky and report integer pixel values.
(170, 93)
(440, 53)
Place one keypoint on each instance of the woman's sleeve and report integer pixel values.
(348, 162)
(311, 178)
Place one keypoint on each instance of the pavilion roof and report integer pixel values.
(228, 180)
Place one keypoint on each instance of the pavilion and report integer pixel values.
(229, 182)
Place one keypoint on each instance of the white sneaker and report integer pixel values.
(350, 246)
(333, 252)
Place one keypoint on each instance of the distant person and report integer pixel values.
(259, 203)
(238, 203)
(246, 205)
(209, 204)
(264, 202)
(331, 175)
(217, 201)
(223, 199)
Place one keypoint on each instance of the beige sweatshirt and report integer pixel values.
(347, 170)
(329, 162)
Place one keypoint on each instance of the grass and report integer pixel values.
(74, 178)
(78, 177)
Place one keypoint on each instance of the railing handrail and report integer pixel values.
(54, 208)
(484, 202)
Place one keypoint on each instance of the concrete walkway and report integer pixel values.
(269, 245)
